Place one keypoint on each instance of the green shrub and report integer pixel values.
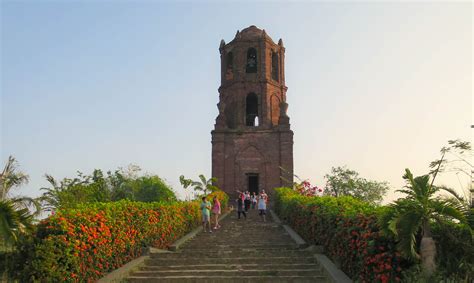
(149, 189)
(221, 196)
(348, 230)
(83, 244)
(455, 248)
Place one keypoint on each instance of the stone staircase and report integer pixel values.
(241, 251)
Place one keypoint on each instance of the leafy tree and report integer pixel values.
(345, 182)
(68, 193)
(202, 187)
(150, 189)
(118, 182)
(456, 158)
(97, 187)
(411, 216)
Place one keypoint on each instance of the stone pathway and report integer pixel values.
(241, 251)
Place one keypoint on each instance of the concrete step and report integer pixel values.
(226, 272)
(230, 260)
(224, 245)
(233, 266)
(231, 253)
(198, 249)
(231, 279)
(213, 240)
(210, 241)
(267, 248)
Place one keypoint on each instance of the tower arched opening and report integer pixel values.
(251, 109)
(251, 66)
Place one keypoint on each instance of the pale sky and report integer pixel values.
(100, 84)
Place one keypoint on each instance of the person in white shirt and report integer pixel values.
(265, 196)
(262, 206)
(254, 199)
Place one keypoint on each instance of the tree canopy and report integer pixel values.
(346, 182)
(100, 187)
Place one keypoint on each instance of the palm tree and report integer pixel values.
(412, 216)
(15, 219)
(202, 187)
(11, 177)
(15, 216)
(50, 199)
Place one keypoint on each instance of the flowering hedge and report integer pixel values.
(348, 230)
(83, 244)
(221, 196)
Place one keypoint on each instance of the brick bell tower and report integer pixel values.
(252, 139)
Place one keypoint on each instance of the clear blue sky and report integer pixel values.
(101, 84)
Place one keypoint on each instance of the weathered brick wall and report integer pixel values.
(238, 149)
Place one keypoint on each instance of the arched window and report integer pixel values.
(251, 61)
(275, 71)
(251, 109)
(229, 61)
(229, 64)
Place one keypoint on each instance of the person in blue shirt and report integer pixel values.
(206, 214)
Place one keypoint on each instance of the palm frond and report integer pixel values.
(387, 221)
(421, 186)
(10, 177)
(448, 208)
(197, 184)
(452, 192)
(13, 221)
(8, 221)
(51, 180)
(27, 202)
(203, 179)
(408, 225)
(410, 193)
(213, 180)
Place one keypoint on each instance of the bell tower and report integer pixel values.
(252, 143)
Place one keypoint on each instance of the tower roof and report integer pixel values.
(251, 33)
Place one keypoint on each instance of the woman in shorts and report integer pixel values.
(216, 211)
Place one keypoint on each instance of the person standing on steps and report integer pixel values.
(253, 198)
(241, 194)
(262, 206)
(206, 214)
(216, 211)
(240, 207)
(247, 201)
(265, 196)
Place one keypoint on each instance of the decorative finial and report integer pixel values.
(237, 34)
(280, 42)
(222, 44)
(264, 34)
